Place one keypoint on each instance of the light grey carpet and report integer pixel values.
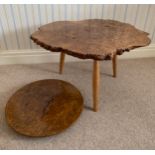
(126, 118)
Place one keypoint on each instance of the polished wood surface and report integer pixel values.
(96, 83)
(97, 39)
(62, 61)
(44, 108)
(114, 65)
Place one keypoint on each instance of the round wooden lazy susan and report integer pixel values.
(44, 108)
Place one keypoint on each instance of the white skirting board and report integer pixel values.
(31, 56)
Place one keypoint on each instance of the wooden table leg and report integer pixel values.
(62, 60)
(114, 65)
(96, 82)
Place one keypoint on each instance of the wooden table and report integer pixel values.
(44, 108)
(95, 39)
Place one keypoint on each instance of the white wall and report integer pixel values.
(17, 22)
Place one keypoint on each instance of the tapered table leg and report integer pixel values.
(114, 65)
(62, 60)
(96, 82)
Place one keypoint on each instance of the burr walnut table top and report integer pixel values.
(44, 108)
(90, 39)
